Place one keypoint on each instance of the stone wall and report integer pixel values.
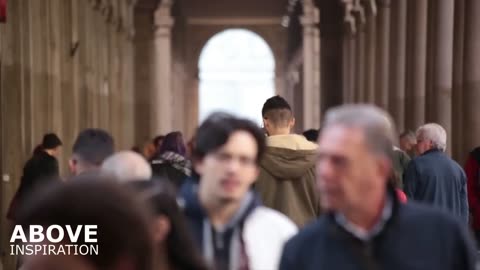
(65, 65)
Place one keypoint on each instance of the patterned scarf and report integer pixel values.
(177, 161)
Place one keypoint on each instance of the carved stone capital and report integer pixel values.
(95, 4)
(120, 26)
(132, 2)
(163, 20)
(355, 14)
(162, 32)
(370, 7)
(349, 17)
(107, 12)
(384, 3)
(359, 12)
(128, 34)
(311, 17)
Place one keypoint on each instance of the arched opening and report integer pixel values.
(237, 72)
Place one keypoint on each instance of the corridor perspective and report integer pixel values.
(143, 75)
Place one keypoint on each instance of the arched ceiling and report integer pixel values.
(233, 8)
(147, 4)
(223, 8)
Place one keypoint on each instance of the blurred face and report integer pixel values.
(423, 145)
(406, 144)
(346, 169)
(149, 150)
(161, 229)
(73, 165)
(228, 173)
(56, 151)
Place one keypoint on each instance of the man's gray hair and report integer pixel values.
(435, 133)
(127, 166)
(376, 123)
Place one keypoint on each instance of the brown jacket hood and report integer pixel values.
(287, 178)
(288, 156)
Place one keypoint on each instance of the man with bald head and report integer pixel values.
(127, 166)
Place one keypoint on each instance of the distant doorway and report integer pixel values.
(237, 73)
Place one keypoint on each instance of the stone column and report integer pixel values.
(352, 68)
(27, 89)
(311, 101)
(129, 133)
(417, 65)
(122, 74)
(162, 93)
(80, 65)
(88, 77)
(12, 157)
(472, 74)
(397, 64)
(39, 67)
(191, 96)
(347, 62)
(370, 59)
(55, 72)
(68, 104)
(94, 32)
(431, 47)
(383, 43)
(457, 92)
(442, 69)
(104, 79)
(113, 23)
(360, 95)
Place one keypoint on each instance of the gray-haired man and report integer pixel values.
(433, 177)
(365, 226)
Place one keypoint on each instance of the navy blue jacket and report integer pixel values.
(416, 237)
(436, 179)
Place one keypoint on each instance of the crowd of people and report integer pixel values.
(238, 196)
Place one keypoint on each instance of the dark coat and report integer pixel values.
(415, 237)
(400, 164)
(436, 179)
(472, 170)
(39, 171)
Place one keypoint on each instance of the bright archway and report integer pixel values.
(237, 73)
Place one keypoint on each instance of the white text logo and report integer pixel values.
(54, 240)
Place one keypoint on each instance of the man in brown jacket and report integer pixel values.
(287, 170)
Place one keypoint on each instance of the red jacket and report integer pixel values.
(472, 169)
(402, 197)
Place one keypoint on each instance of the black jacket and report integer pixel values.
(436, 179)
(39, 171)
(415, 237)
